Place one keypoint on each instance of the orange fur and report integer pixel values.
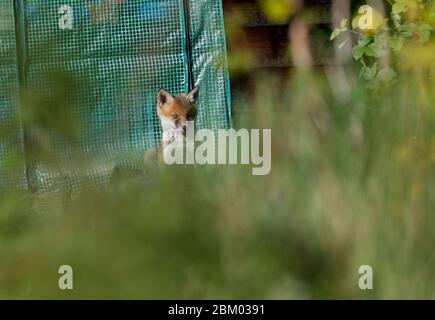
(180, 106)
(176, 115)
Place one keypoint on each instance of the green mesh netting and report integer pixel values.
(91, 84)
(12, 169)
(207, 37)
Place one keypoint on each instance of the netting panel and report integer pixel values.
(12, 168)
(101, 28)
(91, 69)
(208, 45)
(115, 57)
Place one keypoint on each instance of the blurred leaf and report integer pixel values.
(335, 33)
(343, 24)
(373, 84)
(373, 50)
(358, 51)
(386, 74)
(423, 30)
(355, 22)
(338, 31)
(399, 6)
(369, 72)
(406, 29)
(277, 11)
(397, 42)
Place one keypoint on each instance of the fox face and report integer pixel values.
(176, 112)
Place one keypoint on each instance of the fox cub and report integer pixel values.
(175, 114)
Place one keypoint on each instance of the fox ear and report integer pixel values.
(193, 95)
(164, 97)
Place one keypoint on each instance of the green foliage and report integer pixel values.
(338, 31)
(410, 20)
(352, 183)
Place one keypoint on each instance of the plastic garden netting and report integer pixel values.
(12, 169)
(90, 71)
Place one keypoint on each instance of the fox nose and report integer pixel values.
(184, 128)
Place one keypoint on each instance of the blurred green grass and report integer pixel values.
(352, 184)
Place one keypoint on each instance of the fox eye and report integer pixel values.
(174, 116)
